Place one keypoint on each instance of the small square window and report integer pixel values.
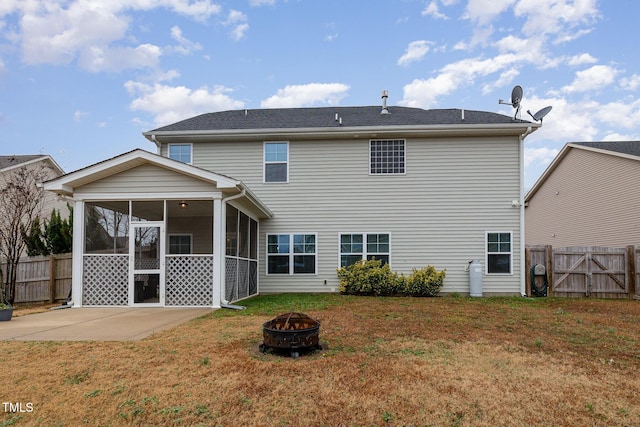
(387, 157)
(180, 152)
(180, 244)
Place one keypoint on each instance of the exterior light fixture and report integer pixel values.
(183, 205)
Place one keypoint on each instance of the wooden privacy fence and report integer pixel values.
(586, 271)
(43, 278)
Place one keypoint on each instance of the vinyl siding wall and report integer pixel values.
(147, 179)
(437, 213)
(590, 199)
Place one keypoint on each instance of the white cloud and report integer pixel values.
(307, 95)
(541, 155)
(592, 78)
(116, 59)
(258, 3)
(483, 11)
(169, 104)
(185, 46)
(78, 115)
(415, 52)
(433, 10)
(555, 16)
(60, 32)
(238, 23)
(628, 83)
(581, 59)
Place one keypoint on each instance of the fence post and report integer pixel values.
(52, 278)
(631, 270)
(548, 250)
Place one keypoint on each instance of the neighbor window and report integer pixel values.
(180, 244)
(180, 152)
(356, 247)
(276, 162)
(387, 156)
(499, 253)
(291, 254)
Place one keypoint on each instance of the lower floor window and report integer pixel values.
(499, 253)
(356, 247)
(291, 254)
(179, 244)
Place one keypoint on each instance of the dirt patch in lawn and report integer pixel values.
(388, 361)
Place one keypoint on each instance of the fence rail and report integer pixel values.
(43, 278)
(585, 271)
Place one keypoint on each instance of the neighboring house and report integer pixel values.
(276, 200)
(588, 196)
(40, 163)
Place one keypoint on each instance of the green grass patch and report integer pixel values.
(275, 304)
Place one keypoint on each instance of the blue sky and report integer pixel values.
(81, 79)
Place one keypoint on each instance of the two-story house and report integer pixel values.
(276, 200)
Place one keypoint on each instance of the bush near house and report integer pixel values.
(372, 278)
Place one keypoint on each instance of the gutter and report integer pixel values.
(344, 132)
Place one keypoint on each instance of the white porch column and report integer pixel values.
(219, 243)
(77, 261)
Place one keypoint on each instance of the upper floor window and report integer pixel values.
(180, 152)
(387, 156)
(499, 253)
(276, 162)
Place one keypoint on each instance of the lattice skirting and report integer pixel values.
(241, 278)
(105, 280)
(189, 281)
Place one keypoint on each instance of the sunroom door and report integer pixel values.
(146, 282)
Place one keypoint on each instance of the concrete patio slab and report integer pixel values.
(96, 324)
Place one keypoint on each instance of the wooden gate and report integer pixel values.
(589, 271)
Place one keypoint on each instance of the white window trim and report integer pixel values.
(487, 253)
(291, 254)
(170, 235)
(365, 254)
(391, 173)
(190, 145)
(264, 162)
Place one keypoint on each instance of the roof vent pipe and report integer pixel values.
(385, 95)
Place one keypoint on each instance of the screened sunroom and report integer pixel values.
(142, 246)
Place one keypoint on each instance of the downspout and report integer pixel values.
(523, 278)
(153, 138)
(224, 303)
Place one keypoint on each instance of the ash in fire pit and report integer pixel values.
(293, 332)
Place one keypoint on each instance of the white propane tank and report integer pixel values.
(475, 278)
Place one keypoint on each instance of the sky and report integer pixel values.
(80, 80)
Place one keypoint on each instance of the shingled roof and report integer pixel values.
(332, 117)
(624, 147)
(8, 161)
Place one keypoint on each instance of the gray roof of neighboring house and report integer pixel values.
(8, 161)
(325, 117)
(624, 147)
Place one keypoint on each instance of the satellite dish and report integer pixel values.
(516, 97)
(540, 114)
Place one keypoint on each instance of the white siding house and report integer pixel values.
(312, 189)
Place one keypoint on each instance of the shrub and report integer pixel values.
(372, 278)
(425, 282)
(369, 278)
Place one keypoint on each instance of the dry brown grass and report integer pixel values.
(389, 361)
